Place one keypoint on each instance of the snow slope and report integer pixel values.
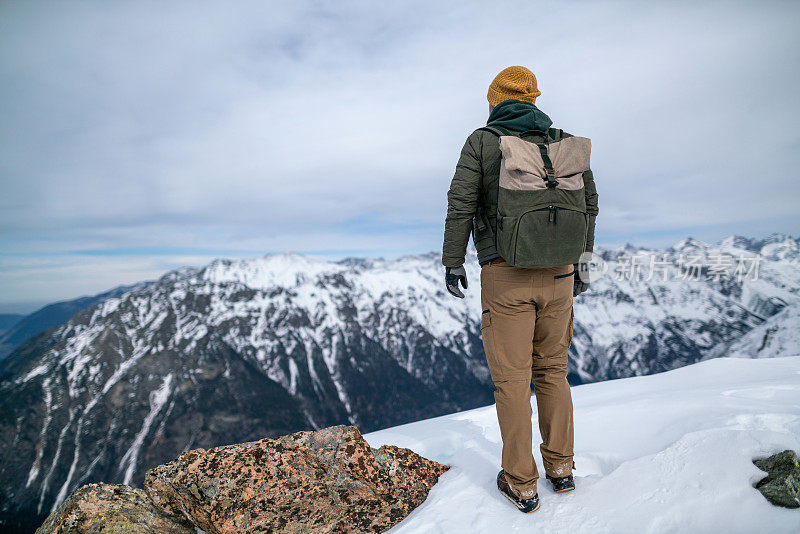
(663, 453)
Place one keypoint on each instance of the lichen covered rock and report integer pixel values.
(324, 481)
(111, 509)
(782, 484)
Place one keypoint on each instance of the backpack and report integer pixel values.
(541, 203)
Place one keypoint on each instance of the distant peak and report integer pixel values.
(690, 242)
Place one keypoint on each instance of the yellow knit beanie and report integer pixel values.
(513, 82)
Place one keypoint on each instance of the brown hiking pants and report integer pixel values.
(526, 327)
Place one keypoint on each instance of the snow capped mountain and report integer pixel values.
(232, 352)
(243, 349)
(54, 314)
(656, 310)
(666, 453)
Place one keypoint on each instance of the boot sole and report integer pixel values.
(512, 501)
(564, 490)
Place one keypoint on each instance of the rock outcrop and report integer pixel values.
(328, 481)
(324, 481)
(781, 486)
(111, 508)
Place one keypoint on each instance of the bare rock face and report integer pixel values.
(325, 481)
(110, 509)
(781, 486)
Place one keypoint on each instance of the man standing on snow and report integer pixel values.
(526, 193)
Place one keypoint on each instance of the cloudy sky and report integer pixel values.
(141, 136)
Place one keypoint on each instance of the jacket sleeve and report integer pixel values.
(462, 202)
(591, 208)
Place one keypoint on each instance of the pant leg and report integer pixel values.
(507, 325)
(551, 342)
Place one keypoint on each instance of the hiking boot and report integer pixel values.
(524, 505)
(562, 484)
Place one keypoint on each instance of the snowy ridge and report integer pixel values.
(242, 349)
(664, 453)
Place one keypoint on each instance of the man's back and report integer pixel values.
(527, 315)
(472, 198)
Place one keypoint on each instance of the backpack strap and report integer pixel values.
(480, 221)
(550, 173)
(496, 130)
(555, 133)
(551, 133)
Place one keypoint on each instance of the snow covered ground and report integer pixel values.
(663, 453)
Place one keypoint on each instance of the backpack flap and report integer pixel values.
(523, 168)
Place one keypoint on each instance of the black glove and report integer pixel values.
(452, 275)
(580, 286)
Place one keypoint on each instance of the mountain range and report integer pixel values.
(16, 329)
(7, 321)
(242, 349)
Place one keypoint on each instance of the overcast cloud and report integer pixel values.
(140, 136)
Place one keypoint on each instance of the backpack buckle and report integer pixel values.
(551, 178)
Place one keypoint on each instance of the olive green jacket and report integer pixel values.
(472, 198)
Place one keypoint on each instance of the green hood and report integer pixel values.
(519, 116)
